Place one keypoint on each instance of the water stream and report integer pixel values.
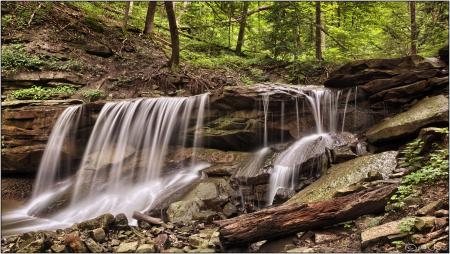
(122, 169)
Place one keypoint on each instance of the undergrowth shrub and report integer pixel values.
(42, 93)
(425, 170)
(16, 57)
(92, 94)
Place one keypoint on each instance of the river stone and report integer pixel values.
(121, 220)
(428, 111)
(58, 248)
(345, 174)
(203, 191)
(102, 221)
(197, 241)
(98, 234)
(229, 209)
(34, 247)
(93, 246)
(146, 248)
(183, 211)
(377, 233)
(127, 247)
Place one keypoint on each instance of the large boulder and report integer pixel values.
(211, 193)
(428, 111)
(363, 71)
(345, 174)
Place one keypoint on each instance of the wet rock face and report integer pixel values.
(345, 174)
(26, 126)
(432, 110)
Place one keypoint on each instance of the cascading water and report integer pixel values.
(287, 164)
(323, 104)
(266, 98)
(121, 170)
(50, 172)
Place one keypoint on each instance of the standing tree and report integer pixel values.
(320, 41)
(242, 25)
(128, 10)
(150, 17)
(175, 58)
(412, 12)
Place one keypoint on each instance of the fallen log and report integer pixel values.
(287, 219)
(142, 217)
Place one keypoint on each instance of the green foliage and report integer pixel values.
(221, 61)
(426, 171)
(407, 224)
(22, 12)
(94, 23)
(92, 94)
(412, 154)
(398, 244)
(41, 93)
(16, 57)
(348, 226)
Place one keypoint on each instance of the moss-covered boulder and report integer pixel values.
(427, 111)
(345, 174)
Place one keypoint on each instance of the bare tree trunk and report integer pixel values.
(128, 11)
(150, 17)
(319, 33)
(242, 25)
(229, 23)
(175, 58)
(412, 11)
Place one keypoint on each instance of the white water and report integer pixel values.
(266, 112)
(252, 167)
(122, 167)
(324, 105)
(50, 170)
(288, 163)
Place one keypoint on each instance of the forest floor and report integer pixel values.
(64, 37)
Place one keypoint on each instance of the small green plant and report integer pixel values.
(16, 57)
(426, 171)
(398, 244)
(348, 226)
(42, 93)
(412, 154)
(407, 224)
(92, 94)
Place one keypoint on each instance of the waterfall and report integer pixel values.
(345, 108)
(298, 117)
(50, 168)
(324, 104)
(123, 166)
(252, 167)
(287, 164)
(266, 112)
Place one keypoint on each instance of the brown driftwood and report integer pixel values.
(142, 217)
(287, 219)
